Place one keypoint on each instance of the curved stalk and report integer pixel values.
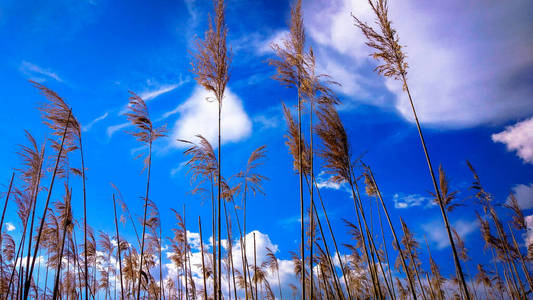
(203, 264)
(144, 219)
(402, 258)
(118, 250)
(439, 196)
(36, 249)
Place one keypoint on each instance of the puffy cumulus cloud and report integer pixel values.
(440, 237)
(412, 200)
(10, 226)
(519, 138)
(524, 195)
(262, 242)
(199, 115)
(469, 64)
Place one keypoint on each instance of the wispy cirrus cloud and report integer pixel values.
(158, 91)
(111, 130)
(88, 127)
(519, 138)
(37, 73)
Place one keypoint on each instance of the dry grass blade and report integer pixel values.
(482, 196)
(31, 157)
(140, 118)
(316, 87)
(463, 252)
(292, 140)
(483, 276)
(252, 178)
(384, 40)
(519, 222)
(211, 59)
(56, 113)
(336, 151)
(290, 65)
(448, 196)
(202, 162)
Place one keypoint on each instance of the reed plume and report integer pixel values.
(251, 181)
(57, 115)
(211, 62)
(338, 164)
(290, 71)
(145, 133)
(387, 49)
(519, 222)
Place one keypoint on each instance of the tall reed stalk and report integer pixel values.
(5, 204)
(203, 263)
(145, 133)
(36, 248)
(211, 68)
(118, 250)
(385, 42)
(328, 255)
(396, 240)
(290, 67)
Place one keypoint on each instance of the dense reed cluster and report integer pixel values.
(58, 256)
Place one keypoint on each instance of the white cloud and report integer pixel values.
(529, 233)
(199, 115)
(267, 122)
(519, 138)
(36, 73)
(96, 120)
(524, 195)
(412, 200)
(193, 238)
(328, 184)
(286, 267)
(265, 46)
(465, 68)
(325, 182)
(10, 226)
(114, 128)
(160, 90)
(437, 232)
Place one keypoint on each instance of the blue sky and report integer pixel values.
(471, 71)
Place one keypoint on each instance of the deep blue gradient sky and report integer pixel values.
(93, 52)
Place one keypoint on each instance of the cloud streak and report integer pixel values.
(412, 200)
(96, 120)
(111, 130)
(152, 94)
(38, 73)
